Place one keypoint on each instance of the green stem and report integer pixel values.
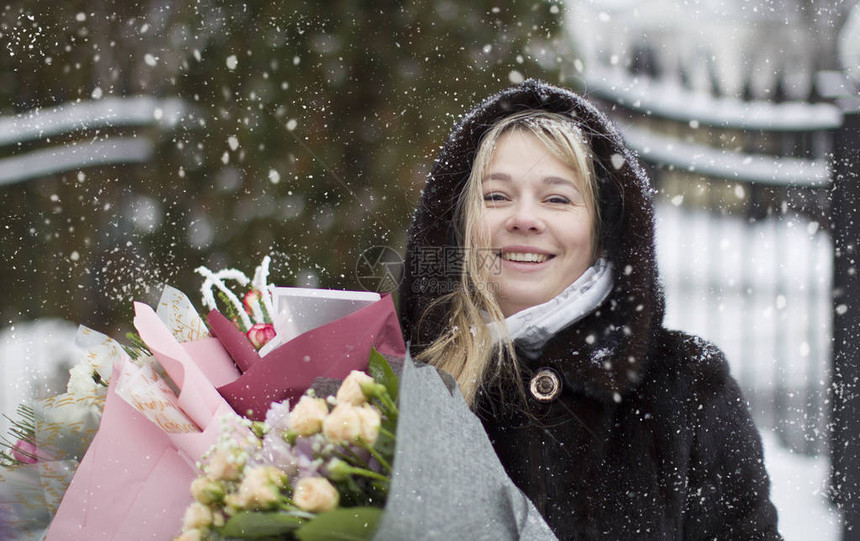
(352, 457)
(386, 406)
(375, 454)
(387, 433)
(371, 474)
(390, 405)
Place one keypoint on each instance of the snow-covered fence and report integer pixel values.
(96, 122)
(744, 236)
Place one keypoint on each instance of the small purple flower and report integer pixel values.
(305, 450)
(278, 416)
(278, 453)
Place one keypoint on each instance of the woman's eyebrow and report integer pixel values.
(559, 180)
(498, 176)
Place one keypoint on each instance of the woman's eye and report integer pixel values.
(558, 199)
(494, 197)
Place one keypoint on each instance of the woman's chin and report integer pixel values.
(522, 300)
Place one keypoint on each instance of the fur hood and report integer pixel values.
(617, 336)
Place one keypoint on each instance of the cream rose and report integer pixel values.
(190, 535)
(308, 415)
(371, 421)
(225, 466)
(315, 495)
(343, 425)
(346, 423)
(197, 516)
(350, 390)
(218, 519)
(260, 488)
(206, 491)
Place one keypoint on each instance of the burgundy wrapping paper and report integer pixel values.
(331, 350)
(233, 340)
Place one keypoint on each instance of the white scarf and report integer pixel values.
(533, 327)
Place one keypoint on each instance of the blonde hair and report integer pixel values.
(467, 350)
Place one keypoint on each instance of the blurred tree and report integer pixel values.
(313, 126)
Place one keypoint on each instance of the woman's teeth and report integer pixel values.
(530, 258)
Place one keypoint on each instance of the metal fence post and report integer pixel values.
(845, 391)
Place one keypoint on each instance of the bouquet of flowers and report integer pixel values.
(320, 470)
(430, 473)
(220, 405)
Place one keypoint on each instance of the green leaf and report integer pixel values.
(250, 525)
(138, 347)
(344, 524)
(382, 373)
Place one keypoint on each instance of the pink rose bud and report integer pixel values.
(260, 334)
(25, 452)
(251, 298)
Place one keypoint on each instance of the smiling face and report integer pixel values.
(537, 219)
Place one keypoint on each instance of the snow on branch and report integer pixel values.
(43, 162)
(87, 115)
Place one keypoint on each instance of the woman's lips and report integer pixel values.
(525, 260)
(526, 257)
(521, 252)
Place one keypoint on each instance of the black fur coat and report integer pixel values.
(650, 437)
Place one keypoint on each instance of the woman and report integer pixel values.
(531, 278)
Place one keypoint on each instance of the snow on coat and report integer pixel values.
(650, 437)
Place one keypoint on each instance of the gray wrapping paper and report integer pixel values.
(447, 481)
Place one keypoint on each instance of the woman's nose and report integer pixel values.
(524, 217)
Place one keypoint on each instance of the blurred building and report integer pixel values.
(762, 50)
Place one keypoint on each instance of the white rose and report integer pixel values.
(343, 425)
(67, 422)
(81, 382)
(308, 415)
(197, 516)
(371, 421)
(315, 495)
(350, 390)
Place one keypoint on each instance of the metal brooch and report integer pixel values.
(545, 386)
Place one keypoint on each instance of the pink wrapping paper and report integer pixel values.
(131, 484)
(134, 480)
(332, 350)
